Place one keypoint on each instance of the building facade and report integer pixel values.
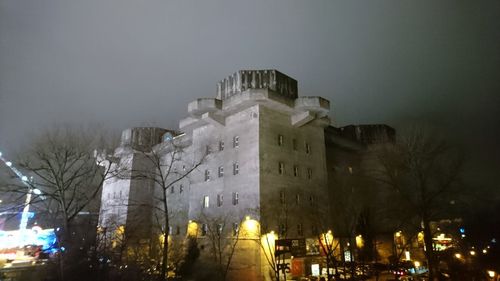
(253, 161)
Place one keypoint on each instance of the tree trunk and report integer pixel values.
(429, 251)
(164, 259)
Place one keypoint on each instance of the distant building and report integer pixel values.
(267, 156)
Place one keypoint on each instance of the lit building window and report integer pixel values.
(207, 175)
(295, 171)
(300, 231)
(280, 140)
(170, 230)
(221, 171)
(206, 202)
(309, 173)
(282, 197)
(219, 229)
(236, 141)
(220, 200)
(236, 229)
(204, 229)
(349, 169)
(221, 145)
(235, 198)
(281, 168)
(236, 168)
(308, 148)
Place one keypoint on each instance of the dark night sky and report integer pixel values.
(128, 63)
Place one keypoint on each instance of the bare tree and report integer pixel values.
(66, 177)
(224, 233)
(166, 165)
(422, 171)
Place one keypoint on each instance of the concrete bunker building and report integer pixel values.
(262, 154)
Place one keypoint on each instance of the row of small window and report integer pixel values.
(220, 200)
(220, 171)
(114, 195)
(180, 188)
(219, 228)
(312, 199)
(205, 228)
(295, 145)
(236, 144)
(283, 231)
(296, 170)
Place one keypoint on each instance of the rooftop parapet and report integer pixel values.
(257, 79)
(142, 138)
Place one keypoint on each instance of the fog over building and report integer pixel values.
(262, 153)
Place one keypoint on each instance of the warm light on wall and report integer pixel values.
(327, 238)
(398, 234)
(268, 242)
(192, 229)
(250, 228)
(359, 241)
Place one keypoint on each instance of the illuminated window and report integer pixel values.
(280, 140)
(282, 197)
(170, 230)
(207, 175)
(281, 168)
(300, 231)
(308, 148)
(309, 173)
(235, 198)
(294, 144)
(221, 171)
(206, 202)
(295, 171)
(221, 145)
(297, 199)
(350, 170)
(219, 229)
(204, 229)
(236, 141)
(236, 229)
(236, 168)
(220, 200)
